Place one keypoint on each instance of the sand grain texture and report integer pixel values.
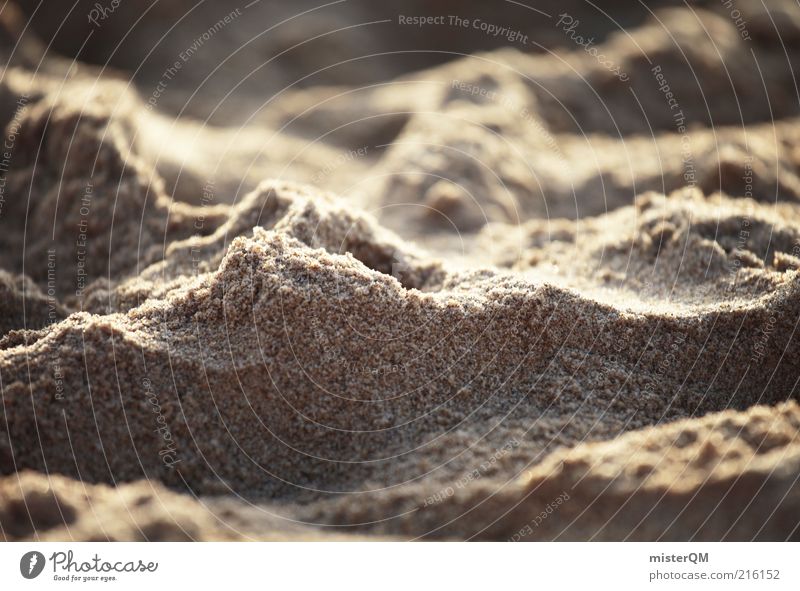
(484, 296)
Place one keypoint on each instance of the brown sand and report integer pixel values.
(488, 299)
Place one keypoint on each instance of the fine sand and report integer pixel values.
(484, 291)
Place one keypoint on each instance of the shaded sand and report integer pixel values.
(704, 479)
(473, 297)
(59, 509)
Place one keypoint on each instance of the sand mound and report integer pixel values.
(697, 479)
(505, 295)
(57, 508)
(320, 373)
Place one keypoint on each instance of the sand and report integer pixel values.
(506, 295)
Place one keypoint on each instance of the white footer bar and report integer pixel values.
(400, 566)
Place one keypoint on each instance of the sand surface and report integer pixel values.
(355, 279)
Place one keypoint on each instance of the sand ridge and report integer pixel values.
(472, 299)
